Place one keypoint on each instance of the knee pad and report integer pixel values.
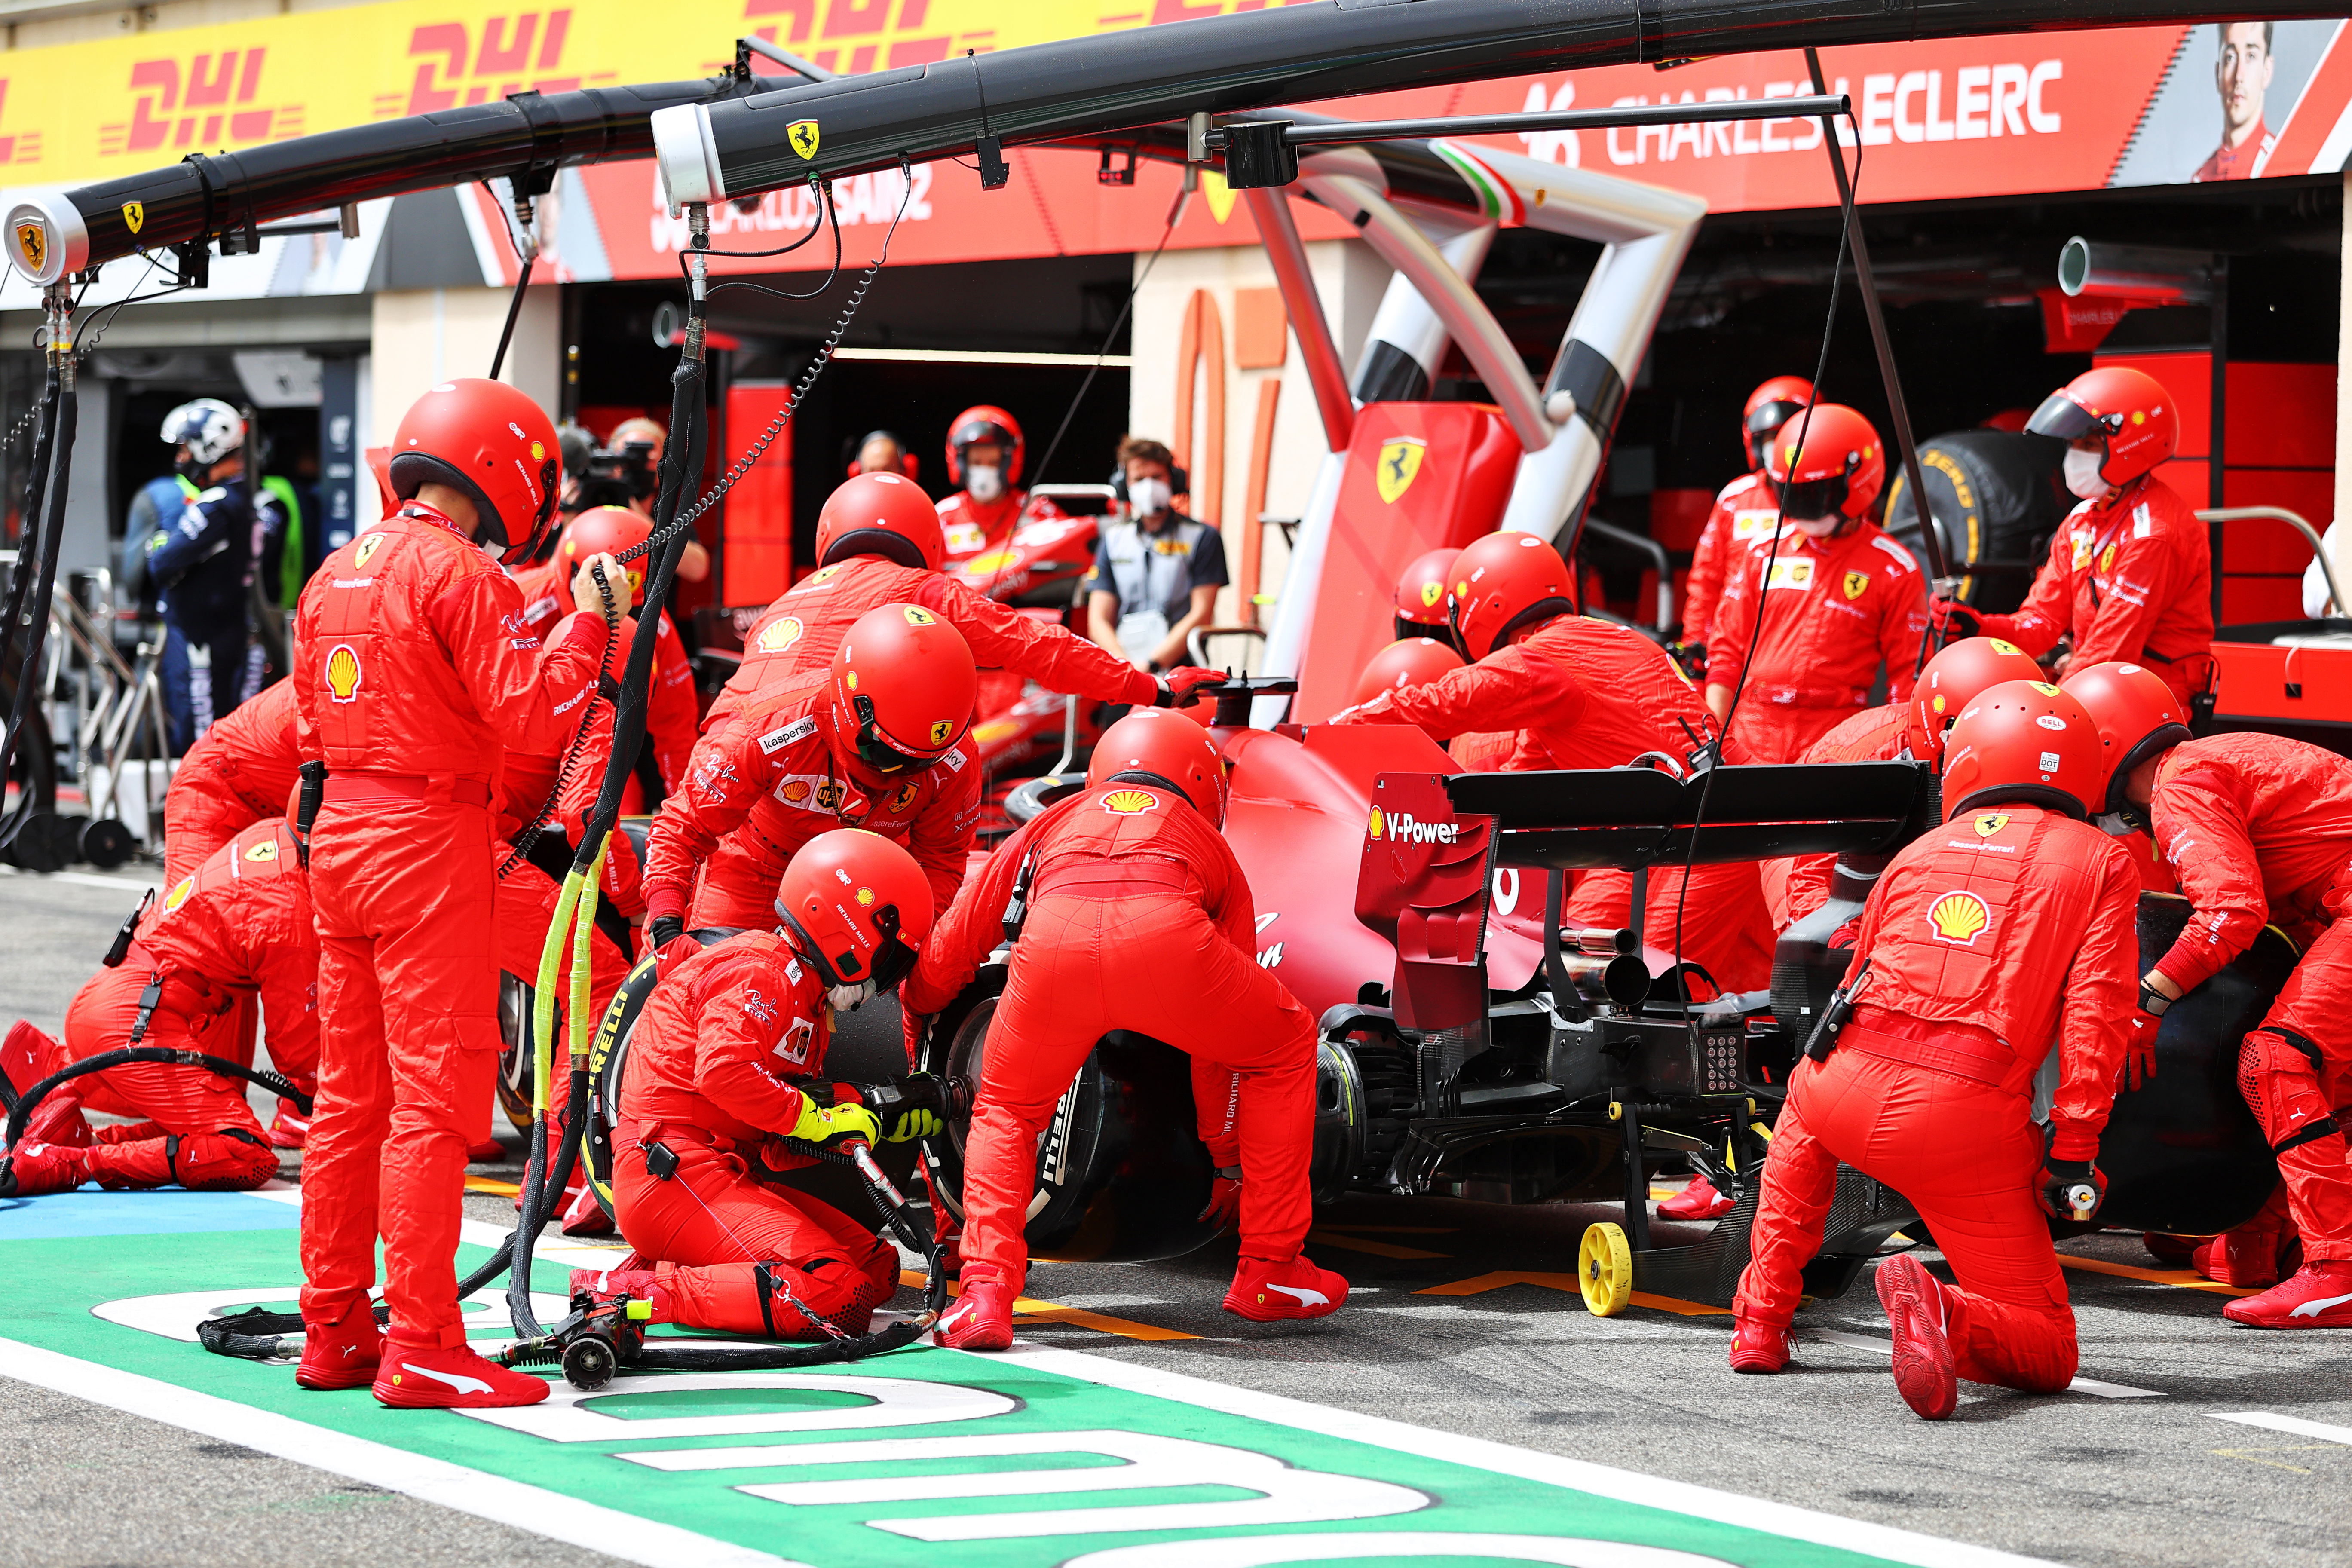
(2278, 1072)
(232, 1160)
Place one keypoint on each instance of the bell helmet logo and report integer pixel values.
(344, 673)
(1129, 802)
(1403, 827)
(1960, 918)
(778, 634)
(2050, 721)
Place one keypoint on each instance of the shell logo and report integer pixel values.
(796, 790)
(2004, 648)
(369, 545)
(777, 637)
(851, 680)
(1379, 821)
(942, 731)
(1936, 704)
(1129, 802)
(265, 850)
(865, 897)
(1991, 822)
(538, 452)
(344, 673)
(917, 617)
(995, 729)
(179, 895)
(1960, 918)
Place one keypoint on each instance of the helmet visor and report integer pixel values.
(1771, 416)
(2061, 417)
(878, 752)
(1813, 499)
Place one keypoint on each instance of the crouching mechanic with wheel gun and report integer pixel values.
(1138, 917)
(2009, 927)
(722, 1072)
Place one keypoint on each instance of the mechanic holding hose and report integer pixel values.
(722, 1065)
(412, 669)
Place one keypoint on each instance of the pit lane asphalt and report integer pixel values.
(2072, 1478)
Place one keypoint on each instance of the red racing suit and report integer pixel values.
(708, 1078)
(800, 631)
(1139, 918)
(972, 526)
(240, 773)
(671, 720)
(1834, 608)
(414, 670)
(1745, 510)
(1587, 694)
(766, 780)
(1988, 940)
(2130, 577)
(236, 927)
(2258, 830)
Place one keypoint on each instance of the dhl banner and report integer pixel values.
(2010, 115)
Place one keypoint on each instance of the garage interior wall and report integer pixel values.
(422, 337)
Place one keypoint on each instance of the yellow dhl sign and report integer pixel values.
(80, 112)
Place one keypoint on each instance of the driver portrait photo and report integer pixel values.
(2242, 75)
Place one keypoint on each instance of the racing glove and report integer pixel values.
(1180, 686)
(910, 1108)
(1952, 620)
(832, 1125)
(2064, 1185)
(1224, 1206)
(2139, 1055)
(666, 935)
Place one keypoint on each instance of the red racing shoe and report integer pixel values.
(1266, 1292)
(1700, 1200)
(2318, 1296)
(982, 1317)
(33, 1169)
(288, 1129)
(1759, 1347)
(488, 1152)
(342, 1354)
(1914, 1300)
(415, 1378)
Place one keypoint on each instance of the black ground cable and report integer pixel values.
(34, 605)
(37, 477)
(21, 1108)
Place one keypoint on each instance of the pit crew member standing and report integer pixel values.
(984, 460)
(2258, 830)
(412, 669)
(876, 742)
(1139, 918)
(2010, 929)
(1155, 574)
(205, 562)
(237, 927)
(1836, 595)
(2130, 575)
(1745, 509)
(722, 1064)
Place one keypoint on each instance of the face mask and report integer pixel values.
(1818, 527)
(1149, 496)
(985, 483)
(2082, 474)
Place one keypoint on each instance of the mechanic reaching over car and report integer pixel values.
(412, 671)
(1744, 510)
(985, 451)
(724, 1064)
(875, 742)
(2130, 575)
(1582, 693)
(1423, 609)
(878, 542)
(1157, 572)
(1138, 917)
(2258, 830)
(2008, 929)
(236, 927)
(1835, 596)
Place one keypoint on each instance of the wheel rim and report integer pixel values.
(1605, 1269)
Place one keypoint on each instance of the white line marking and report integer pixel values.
(88, 880)
(2090, 1385)
(2294, 1424)
(476, 1492)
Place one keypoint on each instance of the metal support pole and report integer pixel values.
(2218, 425)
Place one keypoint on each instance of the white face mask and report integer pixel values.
(1148, 497)
(985, 483)
(2082, 474)
(1818, 527)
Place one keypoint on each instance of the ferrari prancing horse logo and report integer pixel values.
(1400, 463)
(803, 134)
(134, 213)
(1857, 584)
(1991, 822)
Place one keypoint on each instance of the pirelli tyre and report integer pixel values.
(2182, 1153)
(1998, 498)
(608, 1057)
(516, 998)
(1122, 1175)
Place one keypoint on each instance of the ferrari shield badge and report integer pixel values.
(134, 213)
(1857, 584)
(33, 245)
(803, 134)
(1991, 822)
(1400, 462)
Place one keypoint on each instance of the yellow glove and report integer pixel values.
(834, 1123)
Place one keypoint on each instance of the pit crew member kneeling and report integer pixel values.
(1139, 918)
(1983, 943)
(714, 1085)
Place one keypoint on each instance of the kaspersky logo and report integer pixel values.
(1403, 827)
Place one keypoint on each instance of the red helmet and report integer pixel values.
(1768, 407)
(2023, 741)
(1502, 581)
(1163, 746)
(1408, 661)
(493, 445)
(880, 514)
(1952, 681)
(602, 531)
(2136, 714)
(859, 905)
(1831, 461)
(984, 422)
(903, 687)
(1421, 592)
(2129, 407)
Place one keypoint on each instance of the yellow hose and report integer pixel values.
(579, 1025)
(543, 999)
